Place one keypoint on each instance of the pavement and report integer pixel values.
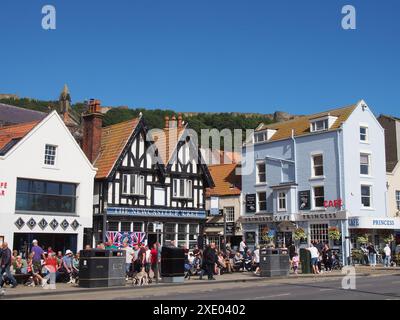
(194, 287)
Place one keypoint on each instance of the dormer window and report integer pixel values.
(264, 135)
(322, 123)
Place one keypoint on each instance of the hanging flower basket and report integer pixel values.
(363, 239)
(334, 233)
(389, 238)
(299, 234)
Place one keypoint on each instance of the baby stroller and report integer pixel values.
(336, 265)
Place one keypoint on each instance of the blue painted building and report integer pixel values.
(315, 173)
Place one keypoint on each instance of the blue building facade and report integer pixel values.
(313, 174)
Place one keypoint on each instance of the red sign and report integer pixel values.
(3, 186)
(333, 203)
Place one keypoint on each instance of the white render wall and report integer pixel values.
(26, 160)
(352, 147)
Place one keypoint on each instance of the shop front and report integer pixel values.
(147, 226)
(377, 231)
(281, 230)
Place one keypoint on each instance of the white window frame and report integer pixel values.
(229, 214)
(279, 198)
(132, 189)
(313, 197)
(370, 195)
(260, 137)
(48, 156)
(313, 166)
(366, 134)
(182, 188)
(397, 197)
(324, 127)
(258, 201)
(261, 163)
(369, 163)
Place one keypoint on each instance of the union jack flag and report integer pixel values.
(133, 238)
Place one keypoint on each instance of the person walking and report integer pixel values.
(372, 255)
(128, 258)
(210, 259)
(38, 255)
(5, 265)
(327, 258)
(388, 254)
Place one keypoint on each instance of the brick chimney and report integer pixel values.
(92, 124)
(180, 122)
(172, 123)
(166, 124)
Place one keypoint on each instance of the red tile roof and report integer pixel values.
(227, 182)
(113, 141)
(18, 131)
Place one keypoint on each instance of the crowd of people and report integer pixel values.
(38, 267)
(323, 258)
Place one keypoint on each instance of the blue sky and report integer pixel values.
(205, 55)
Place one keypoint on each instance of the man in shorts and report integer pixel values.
(314, 258)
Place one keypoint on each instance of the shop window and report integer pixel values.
(137, 226)
(45, 196)
(366, 196)
(263, 230)
(112, 226)
(125, 226)
(318, 165)
(319, 197)
(319, 232)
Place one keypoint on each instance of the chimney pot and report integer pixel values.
(180, 122)
(166, 122)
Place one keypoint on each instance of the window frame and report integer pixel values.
(264, 201)
(397, 199)
(136, 189)
(229, 213)
(364, 196)
(279, 198)
(368, 165)
(314, 197)
(258, 173)
(366, 134)
(316, 166)
(49, 156)
(186, 193)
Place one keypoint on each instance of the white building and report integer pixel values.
(46, 186)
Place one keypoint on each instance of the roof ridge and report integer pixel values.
(121, 123)
(308, 116)
(23, 124)
(26, 109)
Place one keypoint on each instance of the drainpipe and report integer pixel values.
(294, 157)
(344, 225)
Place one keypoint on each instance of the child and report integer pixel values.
(295, 262)
(51, 266)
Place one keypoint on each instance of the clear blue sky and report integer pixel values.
(205, 55)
